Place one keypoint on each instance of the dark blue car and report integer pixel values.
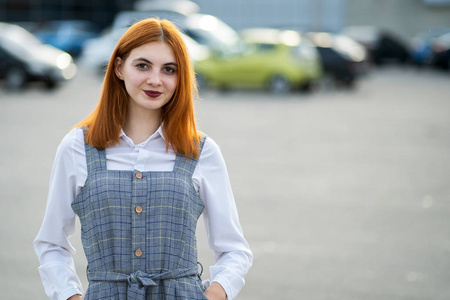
(422, 45)
(68, 36)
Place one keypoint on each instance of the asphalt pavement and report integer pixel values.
(342, 194)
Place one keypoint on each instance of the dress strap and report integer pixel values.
(95, 158)
(187, 165)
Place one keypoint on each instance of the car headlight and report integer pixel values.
(63, 61)
(69, 72)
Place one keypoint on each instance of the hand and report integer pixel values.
(76, 297)
(215, 292)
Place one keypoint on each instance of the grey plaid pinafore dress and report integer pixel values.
(138, 231)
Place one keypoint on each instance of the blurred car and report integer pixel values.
(205, 30)
(23, 58)
(212, 32)
(383, 46)
(279, 60)
(422, 45)
(68, 36)
(343, 59)
(97, 52)
(441, 51)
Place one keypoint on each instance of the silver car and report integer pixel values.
(23, 58)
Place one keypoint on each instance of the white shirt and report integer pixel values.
(232, 255)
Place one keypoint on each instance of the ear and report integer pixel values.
(118, 68)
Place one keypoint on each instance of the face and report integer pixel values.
(150, 76)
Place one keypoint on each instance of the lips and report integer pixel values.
(153, 94)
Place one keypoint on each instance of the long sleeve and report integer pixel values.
(232, 255)
(52, 244)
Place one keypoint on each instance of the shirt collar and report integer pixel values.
(158, 132)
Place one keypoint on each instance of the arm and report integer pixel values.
(232, 255)
(52, 244)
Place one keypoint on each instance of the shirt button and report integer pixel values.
(138, 175)
(138, 253)
(138, 209)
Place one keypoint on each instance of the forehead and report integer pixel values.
(154, 51)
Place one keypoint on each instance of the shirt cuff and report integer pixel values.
(69, 293)
(60, 280)
(223, 275)
(206, 283)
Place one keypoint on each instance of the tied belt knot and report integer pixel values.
(139, 281)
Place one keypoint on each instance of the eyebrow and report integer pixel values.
(149, 62)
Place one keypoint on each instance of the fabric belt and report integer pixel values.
(139, 281)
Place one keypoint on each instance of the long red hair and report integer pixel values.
(107, 119)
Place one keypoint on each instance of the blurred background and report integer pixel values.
(333, 117)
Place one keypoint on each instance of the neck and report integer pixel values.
(140, 125)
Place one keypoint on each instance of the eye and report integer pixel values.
(169, 70)
(141, 66)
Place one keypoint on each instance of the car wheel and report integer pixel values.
(279, 84)
(348, 83)
(50, 84)
(15, 78)
(307, 87)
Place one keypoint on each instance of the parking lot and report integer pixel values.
(342, 194)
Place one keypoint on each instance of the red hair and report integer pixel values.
(107, 119)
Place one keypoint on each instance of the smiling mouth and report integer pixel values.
(153, 94)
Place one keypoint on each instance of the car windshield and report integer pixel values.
(350, 47)
(211, 31)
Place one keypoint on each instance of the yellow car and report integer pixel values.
(279, 60)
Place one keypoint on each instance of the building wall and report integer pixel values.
(100, 12)
(296, 14)
(405, 17)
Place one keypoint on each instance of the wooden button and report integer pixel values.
(138, 209)
(138, 253)
(138, 175)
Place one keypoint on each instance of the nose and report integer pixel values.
(154, 78)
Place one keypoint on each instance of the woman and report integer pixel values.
(138, 174)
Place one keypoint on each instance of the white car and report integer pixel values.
(23, 58)
(202, 33)
(97, 52)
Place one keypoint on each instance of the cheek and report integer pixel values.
(173, 82)
(134, 80)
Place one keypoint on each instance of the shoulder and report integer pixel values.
(210, 148)
(211, 156)
(72, 143)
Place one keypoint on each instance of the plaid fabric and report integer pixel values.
(134, 254)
